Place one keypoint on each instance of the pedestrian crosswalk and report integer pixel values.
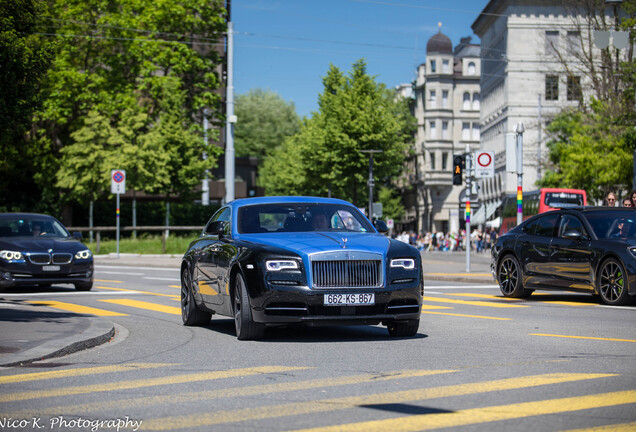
(238, 399)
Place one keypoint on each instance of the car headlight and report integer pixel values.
(278, 265)
(11, 255)
(84, 254)
(406, 263)
(632, 250)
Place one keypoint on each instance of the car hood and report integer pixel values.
(26, 244)
(307, 243)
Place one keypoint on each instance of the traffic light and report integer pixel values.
(458, 168)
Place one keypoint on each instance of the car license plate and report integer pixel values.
(51, 268)
(349, 299)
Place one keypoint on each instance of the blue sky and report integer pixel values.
(286, 46)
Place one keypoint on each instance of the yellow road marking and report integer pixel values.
(486, 415)
(467, 316)
(472, 303)
(145, 305)
(228, 392)
(174, 286)
(108, 281)
(78, 372)
(476, 295)
(623, 427)
(427, 307)
(335, 404)
(582, 337)
(75, 308)
(458, 274)
(150, 382)
(141, 292)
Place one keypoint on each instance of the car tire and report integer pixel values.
(403, 328)
(612, 282)
(509, 278)
(83, 286)
(190, 312)
(246, 328)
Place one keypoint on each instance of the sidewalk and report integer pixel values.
(29, 332)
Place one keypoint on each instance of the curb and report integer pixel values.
(97, 333)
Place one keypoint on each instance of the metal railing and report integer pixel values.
(166, 229)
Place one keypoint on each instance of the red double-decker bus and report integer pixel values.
(539, 201)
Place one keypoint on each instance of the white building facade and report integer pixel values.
(524, 48)
(447, 103)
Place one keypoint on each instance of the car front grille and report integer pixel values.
(347, 274)
(62, 258)
(40, 258)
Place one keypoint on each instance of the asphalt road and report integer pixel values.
(553, 362)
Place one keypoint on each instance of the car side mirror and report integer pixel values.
(216, 228)
(77, 235)
(380, 225)
(572, 235)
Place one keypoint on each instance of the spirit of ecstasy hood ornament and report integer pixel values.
(344, 242)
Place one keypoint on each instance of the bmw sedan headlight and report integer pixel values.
(11, 255)
(405, 263)
(84, 254)
(278, 265)
(632, 250)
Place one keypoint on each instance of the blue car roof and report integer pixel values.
(286, 199)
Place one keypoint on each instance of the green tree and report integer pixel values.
(392, 207)
(264, 121)
(588, 152)
(355, 114)
(24, 59)
(128, 89)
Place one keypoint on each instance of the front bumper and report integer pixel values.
(284, 305)
(24, 274)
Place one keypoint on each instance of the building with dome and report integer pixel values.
(446, 108)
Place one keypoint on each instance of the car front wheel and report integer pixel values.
(509, 278)
(246, 328)
(190, 312)
(403, 328)
(612, 283)
(82, 286)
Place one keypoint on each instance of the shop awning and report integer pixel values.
(484, 212)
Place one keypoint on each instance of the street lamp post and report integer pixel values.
(370, 182)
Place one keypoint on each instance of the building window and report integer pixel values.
(476, 101)
(472, 69)
(574, 88)
(444, 132)
(444, 98)
(433, 130)
(433, 66)
(432, 156)
(465, 131)
(475, 131)
(574, 43)
(551, 42)
(433, 98)
(551, 87)
(466, 102)
(445, 66)
(444, 161)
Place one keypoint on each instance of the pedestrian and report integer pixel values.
(627, 202)
(632, 195)
(610, 199)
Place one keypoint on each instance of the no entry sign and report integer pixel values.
(484, 164)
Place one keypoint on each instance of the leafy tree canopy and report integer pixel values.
(264, 121)
(355, 114)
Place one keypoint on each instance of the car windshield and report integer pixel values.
(32, 227)
(299, 217)
(613, 224)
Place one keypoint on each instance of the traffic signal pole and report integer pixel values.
(468, 192)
